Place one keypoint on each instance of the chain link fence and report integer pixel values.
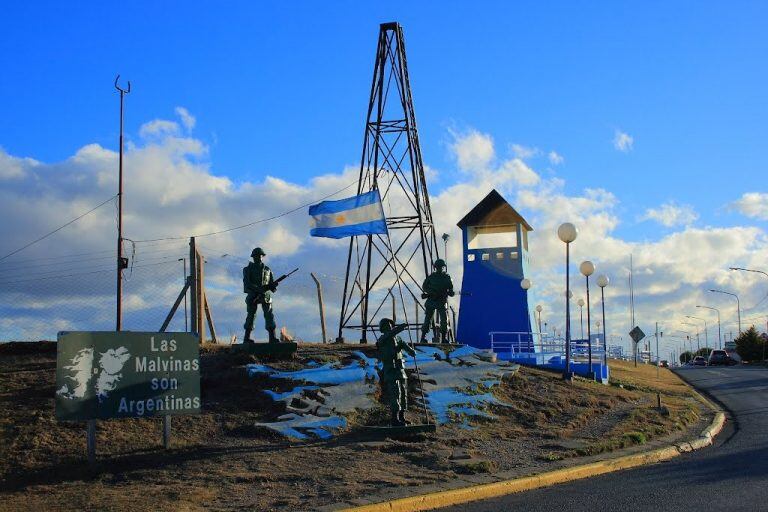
(40, 297)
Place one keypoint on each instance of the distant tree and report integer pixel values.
(686, 356)
(704, 352)
(750, 345)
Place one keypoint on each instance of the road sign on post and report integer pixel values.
(111, 374)
(103, 375)
(636, 334)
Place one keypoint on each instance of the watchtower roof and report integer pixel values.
(493, 210)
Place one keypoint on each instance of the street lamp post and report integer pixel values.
(580, 303)
(706, 334)
(738, 304)
(602, 282)
(567, 233)
(757, 272)
(526, 284)
(719, 332)
(587, 268)
(698, 344)
(445, 237)
(538, 310)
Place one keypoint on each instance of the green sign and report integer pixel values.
(126, 374)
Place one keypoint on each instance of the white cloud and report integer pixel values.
(158, 128)
(174, 191)
(187, 119)
(752, 204)
(622, 141)
(12, 167)
(473, 150)
(524, 152)
(671, 214)
(555, 158)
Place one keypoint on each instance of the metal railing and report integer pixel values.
(543, 347)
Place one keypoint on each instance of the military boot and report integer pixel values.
(395, 421)
(401, 418)
(247, 337)
(272, 337)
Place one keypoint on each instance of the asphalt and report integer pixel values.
(731, 475)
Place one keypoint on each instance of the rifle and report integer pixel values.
(263, 289)
(461, 294)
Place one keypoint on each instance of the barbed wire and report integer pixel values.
(57, 229)
(253, 223)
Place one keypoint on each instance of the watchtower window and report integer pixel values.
(470, 257)
(487, 237)
(486, 256)
(499, 255)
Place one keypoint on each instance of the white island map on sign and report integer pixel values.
(83, 371)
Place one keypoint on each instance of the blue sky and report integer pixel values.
(642, 121)
(281, 88)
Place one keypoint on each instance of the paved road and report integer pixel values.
(731, 475)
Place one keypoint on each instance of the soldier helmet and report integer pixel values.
(385, 324)
(258, 252)
(440, 263)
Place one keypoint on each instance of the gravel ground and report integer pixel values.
(219, 461)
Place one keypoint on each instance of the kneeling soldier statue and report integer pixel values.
(436, 289)
(259, 284)
(394, 379)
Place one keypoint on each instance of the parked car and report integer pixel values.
(699, 361)
(664, 363)
(720, 358)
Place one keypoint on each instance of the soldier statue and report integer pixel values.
(259, 284)
(394, 380)
(436, 289)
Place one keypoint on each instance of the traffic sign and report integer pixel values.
(636, 334)
(126, 374)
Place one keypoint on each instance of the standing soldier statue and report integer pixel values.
(259, 284)
(394, 380)
(436, 289)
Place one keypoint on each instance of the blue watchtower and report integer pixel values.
(496, 259)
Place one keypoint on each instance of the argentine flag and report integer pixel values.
(359, 215)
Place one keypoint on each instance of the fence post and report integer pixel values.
(193, 287)
(200, 295)
(320, 304)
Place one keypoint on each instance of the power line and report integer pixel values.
(83, 273)
(58, 229)
(65, 256)
(283, 214)
(64, 261)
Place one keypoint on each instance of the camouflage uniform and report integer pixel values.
(436, 289)
(394, 378)
(258, 284)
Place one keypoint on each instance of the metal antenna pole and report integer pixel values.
(122, 263)
(391, 163)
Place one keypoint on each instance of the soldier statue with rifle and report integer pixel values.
(394, 379)
(436, 289)
(259, 284)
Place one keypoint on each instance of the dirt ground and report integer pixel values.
(220, 461)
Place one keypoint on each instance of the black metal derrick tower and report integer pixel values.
(383, 268)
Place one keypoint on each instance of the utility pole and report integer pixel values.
(122, 263)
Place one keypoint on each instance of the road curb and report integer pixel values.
(461, 495)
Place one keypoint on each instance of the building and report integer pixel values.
(496, 260)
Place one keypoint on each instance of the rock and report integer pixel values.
(460, 454)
